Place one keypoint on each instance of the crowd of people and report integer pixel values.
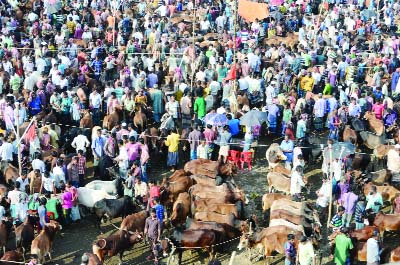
(66, 61)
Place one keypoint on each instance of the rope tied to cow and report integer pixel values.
(16, 262)
(214, 245)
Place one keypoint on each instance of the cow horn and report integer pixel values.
(105, 243)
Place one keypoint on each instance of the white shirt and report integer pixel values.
(393, 161)
(296, 182)
(38, 164)
(95, 100)
(123, 158)
(372, 251)
(47, 183)
(58, 176)
(6, 152)
(23, 183)
(323, 201)
(80, 142)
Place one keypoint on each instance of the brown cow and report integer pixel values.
(171, 189)
(382, 150)
(4, 235)
(388, 192)
(282, 170)
(224, 188)
(202, 238)
(274, 155)
(115, 244)
(269, 198)
(222, 208)
(360, 235)
(349, 135)
(13, 255)
(380, 177)
(111, 120)
(288, 216)
(375, 124)
(395, 255)
(134, 222)
(86, 121)
(215, 197)
(278, 181)
(203, 180)
(177, 175)
(90, 259)
(210, 168)
(295, 208)
(181, 209)
(43, 243)
(222, 219)
(229, 231)
(387, 222)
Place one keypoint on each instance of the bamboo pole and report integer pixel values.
(234, 41)
(18, 139)
(193, 46)
(330, 185)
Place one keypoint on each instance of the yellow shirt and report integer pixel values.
(71, 26)
(172, 142)
(307, 83)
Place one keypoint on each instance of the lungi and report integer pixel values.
(318, 123)
(172, 159)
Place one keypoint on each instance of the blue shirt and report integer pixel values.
(159, 212)
(234, 126)
(288, 146)
(98, 145)
(97, 66)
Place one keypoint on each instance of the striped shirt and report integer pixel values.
(244, 35)
(337, 221)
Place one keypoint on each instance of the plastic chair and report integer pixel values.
(246, 157)
(234, 156)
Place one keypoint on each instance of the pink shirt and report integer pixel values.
(154, 192)
(378, 110)
(133, 151)
(67, 200)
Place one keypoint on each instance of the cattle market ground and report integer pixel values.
(77, 239)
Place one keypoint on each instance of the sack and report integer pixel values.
(75, 213)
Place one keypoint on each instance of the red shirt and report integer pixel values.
(154, 192)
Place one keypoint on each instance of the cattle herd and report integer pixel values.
(206, 210)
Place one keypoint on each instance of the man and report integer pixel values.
(159, 211)
(234, 125)
(81, 167)
(80, 142)
(97, 148)
(157, 100)
(72, 170)
(153, 230)
(349, 200)
(296, 182)
(290, 251)
(337, 219)
(374, 200)
(37, 163)
(224, 140)
(122, 159)
(305, 253)
(95, 105)
(301, 127)
(319, 112)
(144, 159)
(323, 197)
(173, 143)
(393, 164)
(373, 249)
(141, 191)
(287, 147)
(23, 181)
(354, 109)
(343, 245)
(194, 140)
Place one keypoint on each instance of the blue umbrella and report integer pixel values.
(217, 120)
(209, 116)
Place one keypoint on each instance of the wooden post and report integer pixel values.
(234, 40)
(194, 48)
(18, 139)
(330, 185)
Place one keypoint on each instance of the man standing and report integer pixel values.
(194, 140)
(323, 198)
(301, 127)
(173, 143)
(153, 230)
(97, 147)
(373, 249)
(290, 251)
(81, 167)
(80, 142)
(157, 100)
(349, 201)
(287, 147)
(374, 200)
(224, 140)
(296, 182)
(343, 245)
(95, 106)
(319, 112)
(144, 158)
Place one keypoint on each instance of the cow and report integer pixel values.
(13, 255)
(222, 219)
(203, 180)
(181, 209)
(201, 238)
(349, 135)
(270, 239)
(170, 190)
(269, 198)
(289, 225)
(111, 208)
(25, 233)
(295, 219)
(379, 177)
(360, 161)
(225, 188)
(210, 168)
(88, 197)
(5, 229)
(115, 244)
(395, 255)
(215, 197)
(229, 231)
(222, 208)
(134, 222)
(282, 170)
(371, 140)
(90, 259)
(387, 222)
(360, 235)
(114, 187)
(278, 181)
(382, 150)
(388, 192)
(296, 208)
(375, 124)
(274, 155)
(86, 121)
(43, 243)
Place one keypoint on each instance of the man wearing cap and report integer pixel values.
(290, 250)
(393, 164)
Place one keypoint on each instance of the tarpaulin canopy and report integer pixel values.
(250, 10)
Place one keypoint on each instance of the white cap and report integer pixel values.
(397, 146)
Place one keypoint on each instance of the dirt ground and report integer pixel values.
(74, 241)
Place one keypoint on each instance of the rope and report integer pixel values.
(214, 245)
(16, 262)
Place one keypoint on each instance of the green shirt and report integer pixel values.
(66, 104)
(342, 246)
(327, 89)
(200, 107)
(222, 72)
(287, 115)
(51, 206)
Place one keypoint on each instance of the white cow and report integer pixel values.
(88, 197)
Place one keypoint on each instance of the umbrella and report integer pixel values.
(253, 117)
(276, 15)
(368, 13)
(52, 6)
(216, 119)
(340, 150)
